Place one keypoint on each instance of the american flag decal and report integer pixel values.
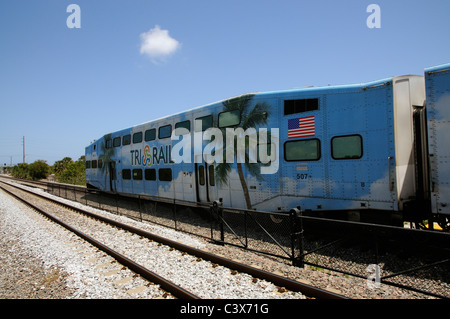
(301, 127)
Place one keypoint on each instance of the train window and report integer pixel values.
(212, 181)
(100, 163)
(88, 164)
(229, 118)
(300, 105)
(303, 150)
(126, 174)
(165, 174)
(108, 143)
(137, 137)
(126, 139)
(137, 174)
(201, 175)
(203, 123)
(116, 142)
(185, 124)
(150, 135)
(94, 164)
(150, 174)
(165, 131)
(346, 147)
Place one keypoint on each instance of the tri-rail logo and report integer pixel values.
(152, 156)
(249, 146)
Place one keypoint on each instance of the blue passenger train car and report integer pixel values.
(438, 115)
(350, 148)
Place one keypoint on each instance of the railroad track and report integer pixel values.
(136, 268)
(189, 254)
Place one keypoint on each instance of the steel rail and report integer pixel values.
(278, 280)
(165, 284)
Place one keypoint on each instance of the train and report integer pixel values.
(376, 151)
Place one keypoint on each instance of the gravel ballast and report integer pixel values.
(42, 260)
(56, 247)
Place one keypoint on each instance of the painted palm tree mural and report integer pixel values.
(250, 118)
(107, 154)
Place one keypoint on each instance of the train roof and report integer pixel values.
(308, 89)
(275, 93)
(438, 68)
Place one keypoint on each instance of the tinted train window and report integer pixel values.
(165, 131)
(126, 174)
(100, 163)
(137, 137)
(137, 174)
(165, 174)
(346, 147)
(201, 175)
(212, 181)
(203, 123)
(300, 105)
(185, 124)
(116, 142)
(150, 135)
(126, 139)
(88, 164)
(230, 118)
(150, 174)
(94, 164)
(304, 150)
(108, 143)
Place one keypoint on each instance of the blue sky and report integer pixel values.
(63, 87)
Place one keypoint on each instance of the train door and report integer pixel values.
(204, 173)
(421, 153)
(205, 182)
(112, 176)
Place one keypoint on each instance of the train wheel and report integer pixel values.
(423, 224)
(444, 223)
(276, 219)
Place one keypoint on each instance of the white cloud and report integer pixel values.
(158, 44)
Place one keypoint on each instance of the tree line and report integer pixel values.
(63, 171)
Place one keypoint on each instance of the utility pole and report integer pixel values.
(24, 149)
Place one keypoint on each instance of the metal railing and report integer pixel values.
(405, 258)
